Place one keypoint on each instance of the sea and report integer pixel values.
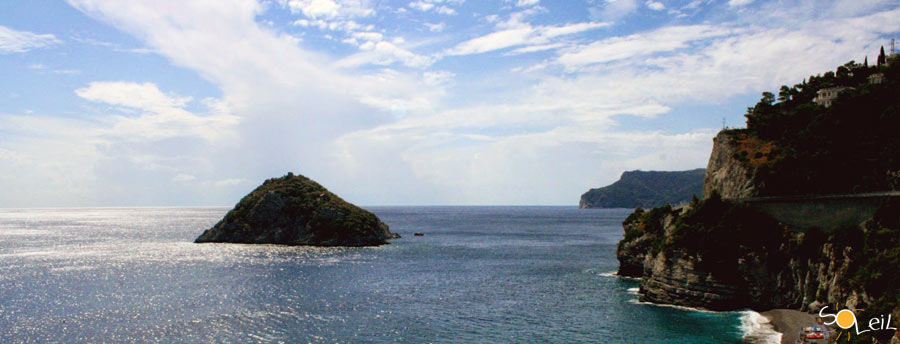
(477, 275)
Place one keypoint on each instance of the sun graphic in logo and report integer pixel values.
(845, 319)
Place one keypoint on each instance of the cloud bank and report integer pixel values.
(393, 121)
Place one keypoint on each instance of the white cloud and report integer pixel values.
(445, 10)
(526, 3)
(114, 157)
(438, 77)
(330, 9)
(380, 135)
(738, 3)
(536, 48)
(433, 5)
(436, 27)
(521, 34)
(559, 127)
(291, 102)
(12, 41)
(142, 96)
(421, 5)
(183, 177)
(368, 36)
(655, 5)
(611, 10)
(163, 115)
(384, 53)
(642, 44)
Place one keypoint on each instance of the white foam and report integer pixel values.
(616, 274)
(692, 309)
(634, 291)
(758, 329)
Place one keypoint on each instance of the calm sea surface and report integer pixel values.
(479, 275)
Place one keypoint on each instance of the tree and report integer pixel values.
(866, 62)
(784, 94)
(881, 59)
(761, 117)
(768, 98)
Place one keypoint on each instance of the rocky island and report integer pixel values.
(799, 210)
(646, 189)
(295, 210)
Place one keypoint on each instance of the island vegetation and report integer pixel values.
(295, 210)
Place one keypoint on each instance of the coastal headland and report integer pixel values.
(799, 210)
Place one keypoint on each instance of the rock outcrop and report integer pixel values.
(733, 165)
(295, 210)
(646, 189)
(791, 270)
(699, 256)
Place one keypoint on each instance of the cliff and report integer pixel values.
(734, 165)
(295, 210)
(646, 189)
(800, 209)
(720, 255)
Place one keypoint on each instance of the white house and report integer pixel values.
(876, 78)
(826, 96)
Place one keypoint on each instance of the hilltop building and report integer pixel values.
(826, 96)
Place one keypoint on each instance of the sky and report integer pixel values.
(422, 102)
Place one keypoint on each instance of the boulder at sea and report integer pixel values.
(295, 210)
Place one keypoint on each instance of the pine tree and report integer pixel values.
(866, 62)
(881, 57)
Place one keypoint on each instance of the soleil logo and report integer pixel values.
(846, 319)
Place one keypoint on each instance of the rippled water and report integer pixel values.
(480, 274)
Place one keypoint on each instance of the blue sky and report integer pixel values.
(108, 102)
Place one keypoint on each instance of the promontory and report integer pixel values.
(646, 189)
(295, 210)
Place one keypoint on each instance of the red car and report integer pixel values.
(815, 335)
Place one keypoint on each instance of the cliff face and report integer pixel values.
(734, 164)
(295, 210)
(701, 256)
(797, 209)
(797, 271)
(646, 189)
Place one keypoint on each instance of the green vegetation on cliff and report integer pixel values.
(716, 231)
(646, 189)
(802, 147)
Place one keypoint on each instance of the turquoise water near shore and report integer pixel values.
(479, 274)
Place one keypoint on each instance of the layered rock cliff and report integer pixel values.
(730, 171)
(646, 189)
(720, 255)
(295, 210)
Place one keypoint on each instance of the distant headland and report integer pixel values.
(646, 189)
